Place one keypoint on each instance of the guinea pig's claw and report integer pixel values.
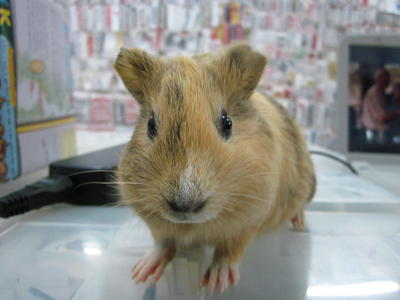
(298, 221)
(220, 276)
(152, 263)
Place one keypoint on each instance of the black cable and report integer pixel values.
(44, 192)
(72, 180)
(338, 159)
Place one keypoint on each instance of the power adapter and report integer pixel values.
(86, 179)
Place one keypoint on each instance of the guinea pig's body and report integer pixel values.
(211, 161)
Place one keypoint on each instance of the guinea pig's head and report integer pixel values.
(190, 159)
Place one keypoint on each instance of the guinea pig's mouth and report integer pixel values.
(187, 218)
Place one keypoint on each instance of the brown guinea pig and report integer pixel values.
(211, 161)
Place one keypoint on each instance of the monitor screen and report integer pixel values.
(374, 99)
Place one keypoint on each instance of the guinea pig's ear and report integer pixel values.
(238, 71)
(139, 71)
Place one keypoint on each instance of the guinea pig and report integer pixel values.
(211, 161)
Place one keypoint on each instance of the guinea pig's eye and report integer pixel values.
(225, 125)
(152, 127)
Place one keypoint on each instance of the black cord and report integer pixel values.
(46, 191)
(338, 159)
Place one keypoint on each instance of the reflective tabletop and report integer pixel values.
(349, 250)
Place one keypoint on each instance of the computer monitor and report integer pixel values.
(368, 104)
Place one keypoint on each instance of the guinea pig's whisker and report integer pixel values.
(239, 214)
(236, 208)
(247, 178)
(105, 183)
(241, 204)
(93, 171)
(139, 211)
(245, 196)
(118, 204)
(259, 174)
(232, 210)
(245, 201)
(135, 201)
(128, 182)
(152, 214)
(144, 207)
(156, 220)
(248, 196)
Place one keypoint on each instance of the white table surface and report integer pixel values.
(350, 250)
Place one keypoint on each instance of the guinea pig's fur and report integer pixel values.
(255, 180)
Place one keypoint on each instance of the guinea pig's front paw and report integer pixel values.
(219, 276)
(298, 221)
(153, 262)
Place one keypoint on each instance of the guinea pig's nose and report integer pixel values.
(186, 206)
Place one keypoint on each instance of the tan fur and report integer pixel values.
(256, 180)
